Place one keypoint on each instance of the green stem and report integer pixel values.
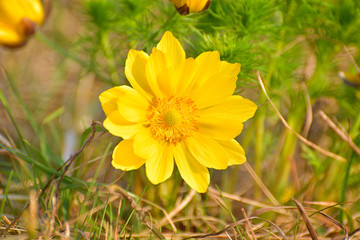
(5, 193)
(42, 167)
(6, 105)
(344, 186)
(109, 54)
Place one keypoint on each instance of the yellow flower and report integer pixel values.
(180, 110)
(185, 7)
(18, 20)
(350, 79)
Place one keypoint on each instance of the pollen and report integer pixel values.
(172, 119)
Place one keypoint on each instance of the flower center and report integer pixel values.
(172, 119)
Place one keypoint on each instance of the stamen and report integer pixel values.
(172, 119)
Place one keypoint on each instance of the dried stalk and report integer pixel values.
(339, 132)
(178, 208)
(301, 138)
(47, 185)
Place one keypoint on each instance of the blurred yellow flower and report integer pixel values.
(350, 79)
(185, 7)
(179, 110)
(18, 20)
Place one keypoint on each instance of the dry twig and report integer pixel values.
(262, 186)
(233, 225)
(68, 163)
(141, 212)
(47, 185)
(339, 132)
(251, 202)
(20, 215)
(248, 222)
(301, 138)
(179, 207)
(352, 58)
(306, 219)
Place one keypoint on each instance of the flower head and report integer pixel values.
(18, 20)
(185, 7)
(180, 110)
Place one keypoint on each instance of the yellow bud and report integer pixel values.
(350, 79)
(185, 7)
(18, 20)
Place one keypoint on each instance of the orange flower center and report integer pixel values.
(172, 119)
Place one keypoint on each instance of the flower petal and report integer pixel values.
(198, 6)
(136, 74)
(207, 151)
(224, 120)
(160, 167)
(145, 145)
(215, 80)
(195, 174)
(13, 11)
(185, 7)
(9, 36)
(230, 68)
(208, 65)
(172, 49)
(109, 98)
(34, 10)
(235, 151)
(217, 88)
(124, 157)
(132, 105)
(181, 78)
(117, 125)
(157, 71)
(178, 3)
